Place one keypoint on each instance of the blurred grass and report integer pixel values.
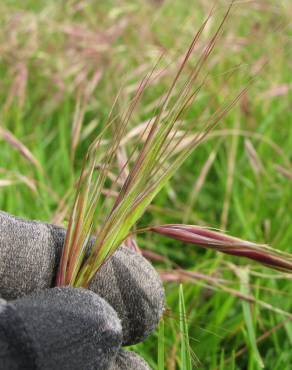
(61, 65)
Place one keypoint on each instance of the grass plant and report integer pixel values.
(149, 173)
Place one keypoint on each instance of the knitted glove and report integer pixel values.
(59, 328)
(29, 256)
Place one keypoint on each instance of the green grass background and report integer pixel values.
(50, 54)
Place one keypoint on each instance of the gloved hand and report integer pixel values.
(70, 328)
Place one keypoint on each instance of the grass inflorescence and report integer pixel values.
(149, 173)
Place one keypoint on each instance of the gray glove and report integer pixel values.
(69, 328)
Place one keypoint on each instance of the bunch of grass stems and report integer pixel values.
(150, 169)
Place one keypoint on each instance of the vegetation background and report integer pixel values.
(62, 63)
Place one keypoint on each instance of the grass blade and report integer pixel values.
(244, 281)
(161, 349)
(186, 359)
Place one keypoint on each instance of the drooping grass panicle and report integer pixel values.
(206, 238)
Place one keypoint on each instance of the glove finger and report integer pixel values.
(29, 254)
(60, 328)
(130, 284)
(127, 360)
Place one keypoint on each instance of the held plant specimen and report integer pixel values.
(151, 165)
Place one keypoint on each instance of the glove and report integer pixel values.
(69, 328)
